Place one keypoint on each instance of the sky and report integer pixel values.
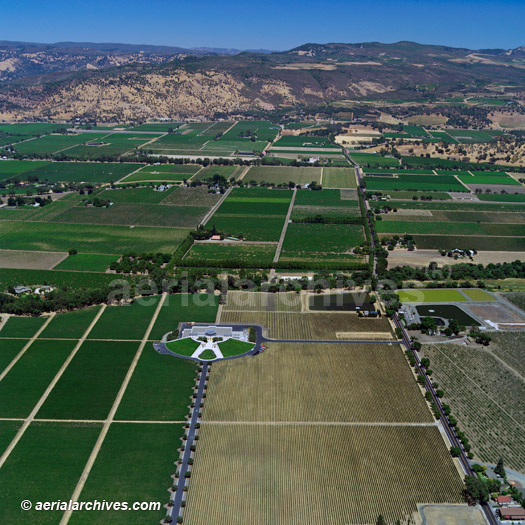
(267, 24)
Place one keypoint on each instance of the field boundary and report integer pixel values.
(285, 227)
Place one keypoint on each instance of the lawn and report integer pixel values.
(88, 387)
(159, 390)
(430, 296)
(70, 325)
(478, 295)
(199, 308)
(45, 466)
(87, 262)
(88, 239)
(185, 346)
(125, 322)
(25, 383)
(146, 454)
(24, 327)
(233, 347)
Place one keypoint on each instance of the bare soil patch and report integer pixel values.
(26, 260)
(497, 313)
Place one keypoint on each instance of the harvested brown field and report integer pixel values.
(27, 260)
(315, 326)
(486, 398)
(260, 474)
(317, 382)
(261, 301)
(497, 313)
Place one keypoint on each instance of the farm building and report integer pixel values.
(503, 500)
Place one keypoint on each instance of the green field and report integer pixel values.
(371, 160)
(489, 178)
(498, 197)
(326, 242)
(157, 126)
(91, 382)
(86, 262)
(70, 325)
(185, 346)
(475, 294)
(88, 239)
(9, 350)
(15, 168)
(25, 383)
(442, 183)
(482, 242)
(52, 144)
(430, 296)
(22, 326)
(177, 308)
(283, 175)
(450, 228)
(319, 198)
(252, 228)
(338, 178)
(164, 173)
(83, 171)
(291, 141)
(125, 322)
(45, 466)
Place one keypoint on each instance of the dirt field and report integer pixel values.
(317, 382)
(402, 257)
(451, 515)
(26, 260)
(497, 313)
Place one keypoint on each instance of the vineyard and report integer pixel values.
(486, 398)
(259, 474)
(366, 383)
(261, 301)
(325, 326)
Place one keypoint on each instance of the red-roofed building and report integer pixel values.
(503, 500)
(513, 513)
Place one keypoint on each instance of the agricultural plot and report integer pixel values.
(111, 144)
(508, 346)
(473, 242)
(372, 160)
(88, 239)
(443, 136)
(163, 173)
(489, 178)
(338, 178)
(360, 391)
(146, 454)
(161, 127)
(313, 326)
(471, 136)
(52, 144)
(225, 254)
(22, 326)
(9, 350)
(326, 242)
(474, 294)
(443, 183)
(280, 479)
(291, 141)
(87, 262)
(82, 171)
(45, 466)
(70, 325)
(30, 260)
(502, 198)
(262, 129)
(228, 172)
(254, 213)
(485, 397)
(263, 302)
(283, 175)
(15, 168)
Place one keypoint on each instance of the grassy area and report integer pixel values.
(233, 347)
(478, 295)
(498, 197)
(88, 387)
(339, 178)
(185, 346)
(211, 254)
(83, 171)
(45, 466)
(441, 183)
(8, 430)
(87, 262)
(480, 242)
(208, 355)
(430, 296)
(283, 175)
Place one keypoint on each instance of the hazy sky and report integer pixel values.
(267, 24)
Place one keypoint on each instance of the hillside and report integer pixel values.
(125, 84)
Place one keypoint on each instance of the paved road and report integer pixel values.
(175, 510)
